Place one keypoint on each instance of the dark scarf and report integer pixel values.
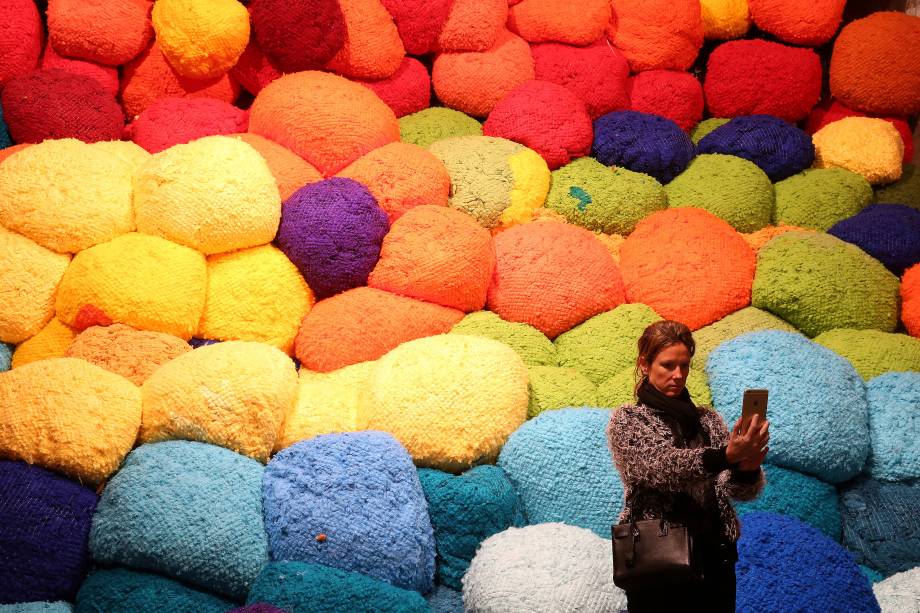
(681, 409)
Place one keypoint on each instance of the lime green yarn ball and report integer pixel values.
(605, 344)
(905, 190)
(872, 352)
(820, 197)
(552, 387)
(748, 319)
(604, 199)
(432, 124)
(529, 343)
(818, 282)
(618, 389)
(729, 187)
(705, 127)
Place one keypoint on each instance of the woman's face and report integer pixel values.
(668, 371)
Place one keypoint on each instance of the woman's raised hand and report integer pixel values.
(747, 446)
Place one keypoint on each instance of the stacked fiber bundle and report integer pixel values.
(174, 121)
(642, 142)
(530, 344)
(818, 198)
(888, 232)
(433, 124)
(893, 400)
(872, 352)
(133, 354)
(124, 591)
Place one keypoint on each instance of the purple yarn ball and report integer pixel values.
(642, 142)
(258, 607)
(888, 232)
(332, 231)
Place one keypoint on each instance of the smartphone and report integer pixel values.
(755, 403)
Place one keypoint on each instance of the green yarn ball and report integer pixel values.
(747, 319)
(705, 127)
(619, 389)
(818, 282)
(433, 124)
(552, 387)
(818, 198)
(872, 352)
(604, 199)
(905, 190)
(729, 187)
(529, 343)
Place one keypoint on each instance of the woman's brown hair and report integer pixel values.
(657, 337)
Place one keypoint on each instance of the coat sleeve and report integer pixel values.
(740, 484)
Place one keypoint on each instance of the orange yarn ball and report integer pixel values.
(472, 25)
(564, 21)
(798, 22)
(657, 34)
(291, 172)
(910, 300)
(372, 49)
(102, 31)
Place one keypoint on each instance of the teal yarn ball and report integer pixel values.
(532, 345)
(37, 607)
(125, 591)
(894, 426)
(6, 357)
(871, 574)
(818, 198)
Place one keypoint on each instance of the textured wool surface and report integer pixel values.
(546, 117)
(706, 126)
(820, 197)
(362, 493)
(880, 524)
(713, 269)
(729, 187)
(332, 231)
(69, 416)
(748, 319)
(595, 73)
(51, 342)
(124, 591)
(658, 34)
(406, 91)
(553, 387)
(21, 37)
(603, 199)
(5, 356)
(495, 180)
(905, 190)
(401, 176)
(174, 121)
(233, 394)
(131, 154)
(779, 148)
(776, 573)
(372, 47)
(747, 77)
(291, 172)
(865, 45)
(363, 324)
(872, 575)
(107, 76)
(818, 412)
(104, 32)
(190, 511)
(5, 142)
(544, 568)
(419, 22)
(144, 281)
(29, 277)
(898, 592)
(872, 352)
(620, 389)
(439, 255)
(641, 142)
(46, 521)
(38, 607)
(580, 23)
(472, 25)
(530, 344)
(888, 232)
(552, 276)
(474, 81)
(254, 70)
(798, 22)
(254, 294)
(894, 425)
(445, 600)
(133, 354)
(910, 300)
(433, 124)
(324, 118)
(307, 588)
(452, 400)
(763, 236)
(259, 607)
(201, 39)
(298, 36)
(818, 282)
(868, 146)
(465, 510)
(832, 110)
(725, 19)
(674, 94)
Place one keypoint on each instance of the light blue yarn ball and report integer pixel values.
(560, 465)
(188, 510)
(819, 418)
(6, 357)
(361, 491)
(894, 426)
(445, 600)
(125, 591)
(37, 607)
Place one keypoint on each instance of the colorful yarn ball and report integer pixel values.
(754, 77)
(363, 324)
(325, 119)
(298, 36)
(580, 23)
(715, 266)
(872, 352)
(52, 342)
(910, 300)
(832, 110)
(291, 171)
(796, 22)
(673, 94)
(748, 319)
(888, 232)
(898, 592)
(894, 398)
(818, 198)
(472, 25)
(174, 121)
(433, 124)
(21, 37)
(725, 19)
(102, 32)
(706, 126)
(254, 70)
(124, 591)
(641, 142)
(818, 411)
(46, 521)
(69, 416)
(552, 387)
(867, 146)
(372, 48)
(133, 354)
(419, 22)
(107, 76)
(657, 34)
(6, 355)
(406, 91)
(620, 389)
(201, 39)
(905, 190)
(529, 343)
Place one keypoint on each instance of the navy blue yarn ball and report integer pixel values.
(5, 140)
(124, 591)
(642, 142)
(888, 232)
(786, 565)
(45, 521)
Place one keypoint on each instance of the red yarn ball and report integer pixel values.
(831, 110)
(419, 22)
(298, 35)
(174, 121)
(21, 37)
(53, 103)
(254, 70)
(106, 75)
(407, 91)
(673, 94)
(751, 77)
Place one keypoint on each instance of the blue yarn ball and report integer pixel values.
(888, 232)
(6, 357)
(642, 142)
(300, 587)
(786, 565)
(124, 591)
(817, 409)
(465, 510)
(445, 600)
(5, 140)
(37, 607)
(778, 147)
(188, 510)
(790, 493)
(880, 524)
(45, 521)
(560, 465)
(894, 426)
(360, 490)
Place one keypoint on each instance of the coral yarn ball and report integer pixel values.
(419, 22)
(106, 75)
(725, 19)
(298, 36)
(201, 39)
(759, 77)
(291, 171)
(714, 267)
(641, 142)
(867, 146)
(109, 33)
(21, 38)
(372, 48)
(133, 354)
(575, 23)
(888, 232)
(809, 24)
(820, 197)
(673, 94)
(175, 121)
(910, 300)
(324, 118)
(472, 25)
(433, 124)
(870, 67)
(51, 104)
(657, 34)
(546, 117)
(407, 91)
(552, 276)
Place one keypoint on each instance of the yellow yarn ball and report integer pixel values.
(725, 19)
(128, 152)
(51, 342)
(870, 147)
(69, 416)
(233, 394)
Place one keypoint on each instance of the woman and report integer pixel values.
(679, 461)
